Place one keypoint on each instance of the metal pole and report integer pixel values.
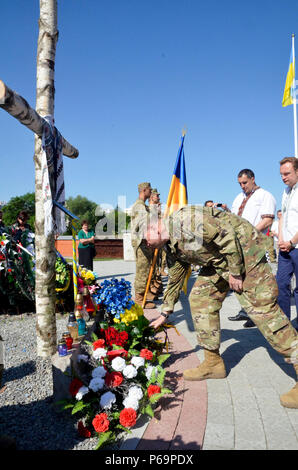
(294, 98)
(74, 261)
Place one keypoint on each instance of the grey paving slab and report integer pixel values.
(279, 435)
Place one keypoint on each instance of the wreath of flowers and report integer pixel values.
(119, 373)
(62, 270)
(17, 266)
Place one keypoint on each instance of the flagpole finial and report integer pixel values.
(184, 131)
(293, 35)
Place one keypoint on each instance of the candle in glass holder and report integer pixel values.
(73, 327)
(85, 290)
(68, 340)
(62, 347)
(80, 306)
(81, 323)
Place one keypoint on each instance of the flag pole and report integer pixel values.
(294, 99)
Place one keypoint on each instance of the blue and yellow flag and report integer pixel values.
(290, 82)
(177, 197)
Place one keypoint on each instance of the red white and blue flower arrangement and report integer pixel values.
(119, 372)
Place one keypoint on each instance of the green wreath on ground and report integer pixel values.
(17, 274)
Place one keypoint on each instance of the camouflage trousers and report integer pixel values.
(157, 267)
(259, 300)
(144, 257)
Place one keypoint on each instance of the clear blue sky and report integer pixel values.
(131, 74)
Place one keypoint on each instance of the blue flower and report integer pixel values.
(115, 295)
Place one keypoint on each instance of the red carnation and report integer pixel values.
(128, 417)
(116, 352)
(101, 422)
(146, 354)
(153, 389)
(74, 386)
(111, 336)
(123, 336)
(98, 344)
(82, 430)
(114, 379)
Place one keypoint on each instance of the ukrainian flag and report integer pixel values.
(290, 82)
(177, 197)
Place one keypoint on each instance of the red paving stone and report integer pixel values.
(180, 420)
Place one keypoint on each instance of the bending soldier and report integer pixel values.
(232, 254)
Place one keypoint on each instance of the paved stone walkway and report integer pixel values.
(241, 412)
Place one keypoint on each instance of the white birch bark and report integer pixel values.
(45, 246)
(18, 107)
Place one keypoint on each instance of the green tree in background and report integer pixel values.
(17, 204)
(112, 223)
(84, 209)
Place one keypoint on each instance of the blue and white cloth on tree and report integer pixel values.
(52, 179)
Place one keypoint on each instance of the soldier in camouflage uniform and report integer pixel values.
(232, 255)
(155, 213)
(143, 254)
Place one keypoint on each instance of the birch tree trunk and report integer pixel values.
(45, 246)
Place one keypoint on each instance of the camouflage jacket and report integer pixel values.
(139, 214)
(211, 237)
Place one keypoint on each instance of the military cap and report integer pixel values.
(142, 186)
(154, 190)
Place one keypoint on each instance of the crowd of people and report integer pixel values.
(233, 248)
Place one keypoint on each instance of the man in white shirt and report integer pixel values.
(288, 236)
(256, 205)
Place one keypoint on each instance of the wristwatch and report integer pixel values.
(292, 244)
(166, 315)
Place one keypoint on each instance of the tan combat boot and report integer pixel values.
(158, 285)
(151, 296)
(139, 300)
(212, 367)
(290, 399)
(153, 289)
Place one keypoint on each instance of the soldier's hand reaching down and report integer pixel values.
(163, 318)
(236, 283)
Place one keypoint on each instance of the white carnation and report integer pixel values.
(149, 371)
(131, 402)
(81, 392)
(96, 384)
(130, 372)
(99, 353)
(135, 392)
(99, 372)
(107, 400)
(118, 364)
(138, 361)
